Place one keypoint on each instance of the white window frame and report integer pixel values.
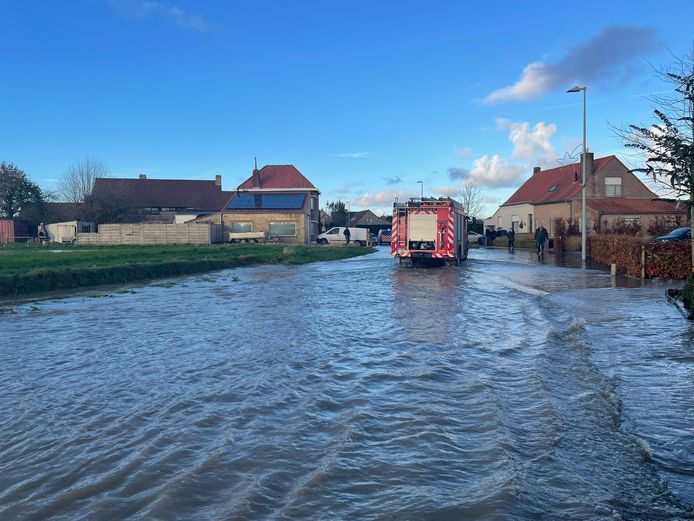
(615, 182)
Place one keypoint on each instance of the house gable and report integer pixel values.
(604, 182)
(556, 184)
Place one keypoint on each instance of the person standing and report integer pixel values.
(347, 235)
(541, 236)
(511, 241)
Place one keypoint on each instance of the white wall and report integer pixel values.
(508, 214)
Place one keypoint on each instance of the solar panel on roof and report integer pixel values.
(248, 201)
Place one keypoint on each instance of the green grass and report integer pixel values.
(31, 268)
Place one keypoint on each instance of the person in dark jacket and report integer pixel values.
(511, 241)
(347, 235)
(541, 236)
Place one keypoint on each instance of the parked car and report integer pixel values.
(336, 235)
(384, 236)
(501, 233)
(473, 237)
(374, 238)
(678, 235)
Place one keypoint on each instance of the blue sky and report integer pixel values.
(365, 98)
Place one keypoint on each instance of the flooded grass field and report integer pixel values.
(500, 389)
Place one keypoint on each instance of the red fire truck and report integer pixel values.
(429, 231)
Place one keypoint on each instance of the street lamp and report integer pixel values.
(422, 186)
(349, 210)
(584, 231)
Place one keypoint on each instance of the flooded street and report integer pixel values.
(500, 389)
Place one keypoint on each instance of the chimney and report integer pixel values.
(218, 180)
(256, 177)
(589, 163)
(537, 170)
(142, 176)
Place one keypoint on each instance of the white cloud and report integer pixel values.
(496, 172)
(141, 10)
(531, 144)
(607, 55)
(355, 154)
(535, 81)
(380, 202)
(462, 151)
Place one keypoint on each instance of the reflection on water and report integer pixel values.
(500, 389)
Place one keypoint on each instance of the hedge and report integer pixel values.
(667, 260)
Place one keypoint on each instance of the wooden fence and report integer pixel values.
(153, 233)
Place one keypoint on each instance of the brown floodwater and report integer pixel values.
(501, 389)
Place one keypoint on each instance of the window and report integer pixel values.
(283, 229)
(333, 231)
(85, 228)
(632, 220)
(239, 227)
(613, 187)
(553, 188)
(313, 203)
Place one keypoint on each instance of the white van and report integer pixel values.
(358, 236)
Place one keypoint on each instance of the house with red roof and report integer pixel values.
(276, 200)
(613, 193)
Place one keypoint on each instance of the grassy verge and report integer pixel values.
(31, 269)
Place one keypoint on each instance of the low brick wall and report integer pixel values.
(667, 260)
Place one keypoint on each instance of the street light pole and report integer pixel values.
(349, 210)
(584, 230)
(422, 192)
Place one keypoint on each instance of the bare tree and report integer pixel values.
(471, 199)
(77, 183)
(667, 146)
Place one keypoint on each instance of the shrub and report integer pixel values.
(688, 294)
(662, 226)
(620, 227)
(668, 260)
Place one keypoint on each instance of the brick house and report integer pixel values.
(613, 192)
(277, 200)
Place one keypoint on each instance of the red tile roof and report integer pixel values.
(278, 177)
(566, 178)
(635, 206)
(174, 193)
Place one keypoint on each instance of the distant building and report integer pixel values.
(369, 220)
(613, 193)
(277, 200)
(165, 200)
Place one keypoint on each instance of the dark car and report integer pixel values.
(501, 233)
(678, 235)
